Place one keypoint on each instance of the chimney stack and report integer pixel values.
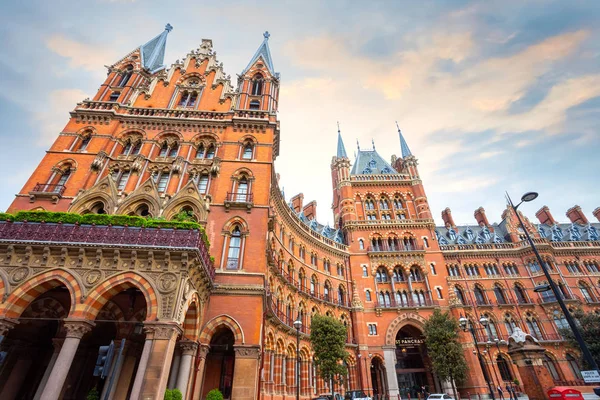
(576, 215)
(297, 201)
(481, 218)
(310, 210)
(544, 216)
(447, 217)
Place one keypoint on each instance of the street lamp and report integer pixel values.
(465, 325)
(298, 326)
(527, 197)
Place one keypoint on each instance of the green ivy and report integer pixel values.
(47, 216)
(6, 217)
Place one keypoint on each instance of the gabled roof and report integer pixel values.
(369, 162)
(264, 53)
(153, 52)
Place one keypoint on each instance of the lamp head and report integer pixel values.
(544, 287)
(298, 323)
(484, 321)
(529, 196)
(462, 321)
(503, 342)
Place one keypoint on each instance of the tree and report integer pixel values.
(444, 349)
(328, 340)
(589, 327)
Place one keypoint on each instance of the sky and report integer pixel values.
(491, 96)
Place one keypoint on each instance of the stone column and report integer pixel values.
(141, 370)
(122, 385)
(526, 352)
(57, 343)
(188, 350)
(245, 372)
(116, 368)
(389, 354)
(18, 371)
(158, 365)
(75, 330)
(174, 370)
(199, 379)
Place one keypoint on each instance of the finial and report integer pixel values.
(357, 145)
(373, 142)
(338, 126)
(397, 126)
(168, 27)
(266, 35)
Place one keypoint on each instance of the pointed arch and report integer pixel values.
(214, 324)
(104, 291)
(31, 289)
(104, 191)
(188, 196)
(141, 195)
(191, 322)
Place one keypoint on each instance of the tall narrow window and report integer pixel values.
(574, 365)
(200, 152)
(257, 86)
(202, 183)
(136, 147)
(361, 244)
(126, 76)
(365, 273)
(247, 155)
(63, 178)
(242, 190)
(164, 150)
(551, 367)
(174, 150)
(163, 181)
(84, 143)
(368, 295)
(235, 245)
(210, 152)
(123, 180)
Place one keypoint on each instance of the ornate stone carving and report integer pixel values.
(77, 328)
(247, 351)
(161, 331)
(18, 275)
(188, 347)
(6, 324)
(92, 277)
(203, 351)
(167, 282)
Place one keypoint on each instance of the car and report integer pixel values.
(356, 395)
(320, 398)
(439, 396)
(327, 396)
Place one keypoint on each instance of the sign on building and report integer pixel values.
(591, 376)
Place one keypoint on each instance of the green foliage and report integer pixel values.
(184, 216)
(170, 224)
(168, 394)
(177, 395)
(93, 395)
(214, 394)
(441, 333)
(328, 340)
(589, 327)
(47, 216)
(6, 217)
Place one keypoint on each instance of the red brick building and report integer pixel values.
(155, 141)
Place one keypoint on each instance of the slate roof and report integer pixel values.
(341, 150)
(324, 230)
(264, 52)
(369, 162)
(153, 52)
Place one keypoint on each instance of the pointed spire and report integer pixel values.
(357, 145)
(153, 52)
(264, 53)
(341, 150)
(373, 143)
(403, 145)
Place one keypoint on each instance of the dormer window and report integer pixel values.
(188, 99)
(257, 85)
(126, 76)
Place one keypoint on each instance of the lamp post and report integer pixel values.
(465, 325)
(298, 325)
(527, 197)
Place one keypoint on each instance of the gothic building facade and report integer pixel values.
(155, 141)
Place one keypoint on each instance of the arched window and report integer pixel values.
(122, 181)
(402, 298)
(142, 210)
(361, 244)
(257, 85)
(235, 246)
(415, 274)
(174, 150)
(188, 99)
(499, 292)
(551, 367)
(503, 367)
(136, 148)
(439, 293)
(559, 320)
(491, 330)
(202, 182)
(313, 285)
(341, 295)
(459, 294)
(126, 76)
(521, 295)
(585, 292)
(200, 151)
(162, 181)
(368, 295)
(210, 152)
(533, 326)
(164, 150)
(479, 295)
(574, 365)
(398, 203)
(85, 141)
(365, 271)
(398, 275)
(381, 275)
(509, 324)
(326, 291)
(242, 190)
(247, 153)
(64, 177)
(126, 148)
(426, 242)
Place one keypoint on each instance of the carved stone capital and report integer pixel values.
(188, 347)
(77, 328)
(247, 351)
(6, 324)
(161, 331)
(203, 351)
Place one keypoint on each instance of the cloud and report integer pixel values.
(53, 118)
(82, 55)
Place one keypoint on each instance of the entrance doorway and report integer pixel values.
(412, 363)
(220, 362)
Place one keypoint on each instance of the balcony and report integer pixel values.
(47, 190)
(115, 236)
(552, 299)
(407, 303)
(239, 200)
(385, 248)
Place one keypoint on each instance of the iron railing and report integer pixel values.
(49, 188)
(239, 197)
